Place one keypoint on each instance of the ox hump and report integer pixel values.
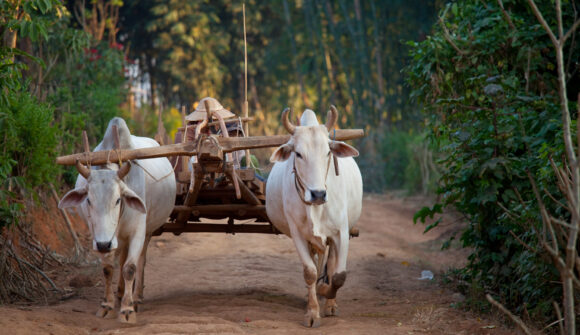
(124, 135)
(308, 118)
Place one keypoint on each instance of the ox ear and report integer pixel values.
(282, 153)
(73, 198)
(132, 200)
(341, 149)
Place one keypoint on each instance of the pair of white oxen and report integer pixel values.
(306, 199)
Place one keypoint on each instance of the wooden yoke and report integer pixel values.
(227, 144)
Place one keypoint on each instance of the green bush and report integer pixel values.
(88, 97)
(27, 157)
(48, 95)
(492, 109)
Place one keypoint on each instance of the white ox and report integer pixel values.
(122, 207)
(308, 201)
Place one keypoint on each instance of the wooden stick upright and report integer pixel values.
(184, 159)
(86, 147)
(86, 142)
(115, 137)
(245, 111)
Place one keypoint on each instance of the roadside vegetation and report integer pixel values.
(488, 78)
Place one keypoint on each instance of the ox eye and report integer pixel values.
(88, 201)
(118, 201)
(298, 155)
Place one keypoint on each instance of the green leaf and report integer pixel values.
(432, 225)
(425, 212)
(44, 6)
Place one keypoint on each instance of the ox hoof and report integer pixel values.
(128, 316)
(331, 310)
(311, 321)
(105, 311)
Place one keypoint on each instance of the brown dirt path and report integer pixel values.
(223, 284)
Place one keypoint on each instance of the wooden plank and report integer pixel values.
(222, 211)
(217, 228)
(240, 209)
(228, 144)
(248, 174)
(216, 193)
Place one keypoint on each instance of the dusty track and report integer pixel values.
(214, 283)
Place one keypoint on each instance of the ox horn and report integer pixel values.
(83, 170)
(286, 121)
(124, 170)
(331, 118)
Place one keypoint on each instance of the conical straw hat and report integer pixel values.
(201, 114)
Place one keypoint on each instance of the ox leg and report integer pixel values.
(328, 287)
(121, 284)
(108, 302)
(338, 274)
(312, 316)
(140, 280)
(129, 271)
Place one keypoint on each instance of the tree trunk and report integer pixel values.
(152, 81)
(12, 35)
(351, 93)
(378, 57)
(305, 100)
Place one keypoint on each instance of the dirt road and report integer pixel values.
(214, 283)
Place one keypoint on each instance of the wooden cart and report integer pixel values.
(217, 190)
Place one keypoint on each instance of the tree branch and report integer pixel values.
(506, 15)
(507, 211)
(514, 318)
(559, 19)
(570, 31)
(543, 22)
(545, 219)
(559, 203)
(559, 316)
(527, 246)
(561, 222)
(448, 38)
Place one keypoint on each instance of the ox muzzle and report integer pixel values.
(104, 247)
(317, 197)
